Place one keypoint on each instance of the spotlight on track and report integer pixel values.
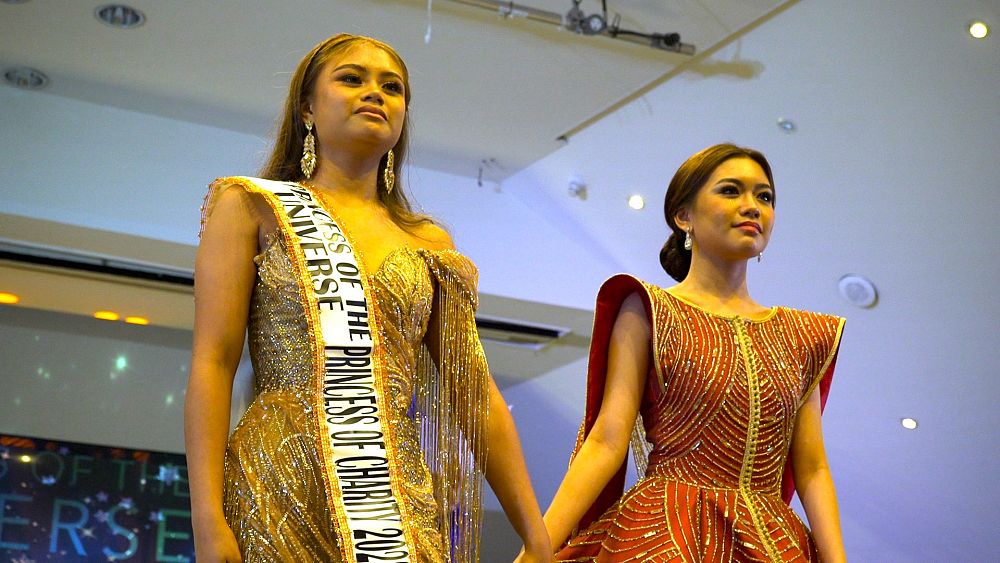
(578, 21)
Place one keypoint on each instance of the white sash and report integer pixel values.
(350, 404)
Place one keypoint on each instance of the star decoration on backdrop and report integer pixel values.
(168, 474)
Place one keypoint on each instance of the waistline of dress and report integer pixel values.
(651, 475)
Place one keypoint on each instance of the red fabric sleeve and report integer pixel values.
(830, 363)
(609, 301)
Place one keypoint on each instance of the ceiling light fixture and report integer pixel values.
(978, 29)
(106, 315)
(577, 21)
(636, 202)
(858, 291)
(137, 320)
(120, 16)
(909, 423)
(25, 77)
(8, 298)
(786, 125)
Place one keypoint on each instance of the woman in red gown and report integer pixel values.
(722, 395)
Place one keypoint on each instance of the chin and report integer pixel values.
(746, 253)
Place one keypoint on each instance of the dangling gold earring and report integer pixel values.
(388, 175)
(308, 162)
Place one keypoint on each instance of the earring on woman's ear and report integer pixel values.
(759, 256)
(308, 162)
(688, 241)
(388, 175)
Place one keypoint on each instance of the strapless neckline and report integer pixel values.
(274, 237)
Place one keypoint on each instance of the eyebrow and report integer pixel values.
(740, 182)
(363, 69)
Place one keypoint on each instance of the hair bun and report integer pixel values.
(674, 259)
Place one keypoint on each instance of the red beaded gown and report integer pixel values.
(717, 416)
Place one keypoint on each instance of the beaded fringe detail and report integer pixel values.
(452, 410)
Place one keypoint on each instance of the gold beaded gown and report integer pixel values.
(716, 422)
(275, 500)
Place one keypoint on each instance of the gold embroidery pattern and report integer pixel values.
(719, 430)
(752, 366)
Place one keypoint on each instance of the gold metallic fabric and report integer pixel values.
(275, 499)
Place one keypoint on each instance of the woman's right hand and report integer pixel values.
(216, 544)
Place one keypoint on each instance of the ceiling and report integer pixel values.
(889, 174)
(476, 94)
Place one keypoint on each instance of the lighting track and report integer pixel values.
(505, 331)
(578, 22)
(66, 259)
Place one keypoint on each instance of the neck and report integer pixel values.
(348, 177)
(724, 280)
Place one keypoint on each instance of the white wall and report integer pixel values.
(107, 168)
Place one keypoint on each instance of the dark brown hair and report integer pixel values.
(283, 162)
(684, 186)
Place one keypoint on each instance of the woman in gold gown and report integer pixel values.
(728, 396)
(373, 406)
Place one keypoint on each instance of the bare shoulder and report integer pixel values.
(434, 237)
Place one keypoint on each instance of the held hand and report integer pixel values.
(217, 545)
(534, 556)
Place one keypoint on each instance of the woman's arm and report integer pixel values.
(508, 477)
(602, 452)
(224, 276)
(814, 483)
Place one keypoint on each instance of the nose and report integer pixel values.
(374, 97)
(750, 208)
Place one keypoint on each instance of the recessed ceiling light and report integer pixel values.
(120, 16)
(25, 458)
(137, 320)
(106, 315)
(786, 125)
(636, 202)
(8, 298)
(25, 77)
(858, 291)
(978, 30)
(909, 423)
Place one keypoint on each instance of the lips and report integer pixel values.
(752, 225)
(372, 110)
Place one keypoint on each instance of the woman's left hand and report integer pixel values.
(534, 556)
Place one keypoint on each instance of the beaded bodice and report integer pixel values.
(404, 293)
(278, 337)
(721, 409)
